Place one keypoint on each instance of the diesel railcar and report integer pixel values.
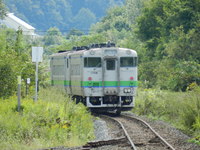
(102, 76)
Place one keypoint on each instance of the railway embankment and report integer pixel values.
(179, 109)
(52, 121)
(173, 136)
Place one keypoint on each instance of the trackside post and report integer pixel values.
(19, 93)
(37, 53)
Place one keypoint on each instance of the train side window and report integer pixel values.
(110, 64)
(128, 61)
(58, 70)
(92, 62)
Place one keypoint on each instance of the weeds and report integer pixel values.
(52, 121)
(182, 109)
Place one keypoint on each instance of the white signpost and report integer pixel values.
(37, 53)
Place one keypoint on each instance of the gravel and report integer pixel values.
(172, 135)
(105, 130)
(101, 130)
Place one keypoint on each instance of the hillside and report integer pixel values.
(63, 14)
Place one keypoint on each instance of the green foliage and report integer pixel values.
(195, 140)
(168, 44)
(74, 32)
(184, 46)
(81, 41)
(7, 80)
(2, 9)
(169, 31)
(15, 60)
(51, 122)
(115, 19)
(180, 74)
(133, 9)
(53, 37)
(80, 19)
(180, 109)
(63, 14)
(148, 76)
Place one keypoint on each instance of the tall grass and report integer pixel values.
(182, 109)
(53, 120)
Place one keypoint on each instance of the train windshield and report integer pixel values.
(128, 61)
(110, 64)
(92, 62)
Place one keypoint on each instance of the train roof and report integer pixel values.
(93, 47)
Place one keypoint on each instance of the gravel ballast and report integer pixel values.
(105, 130)
(172, 135)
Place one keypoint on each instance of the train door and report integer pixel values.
(110, 76)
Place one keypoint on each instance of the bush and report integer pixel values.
(42, 124)
(7, 80)
(182, 109)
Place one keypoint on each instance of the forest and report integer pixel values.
(164, 33)
(63, 14)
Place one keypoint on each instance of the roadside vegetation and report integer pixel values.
(52, 121)
(164, 33)
(181, 109)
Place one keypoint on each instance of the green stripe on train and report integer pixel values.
(94, 83)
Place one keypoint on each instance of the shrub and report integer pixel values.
(182, 109)
(42, 124)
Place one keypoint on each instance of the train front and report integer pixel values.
(110, 78)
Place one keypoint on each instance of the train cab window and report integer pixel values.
(92, 62)
(128, 61)
(110, 64)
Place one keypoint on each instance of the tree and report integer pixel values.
(80, 19)
(44, 14)
(74, 32)
(133, 9)
(14, 60)
(2, 9)
(184, 46)
(53, 37)
(7, 80)
(19, 47)
(170, 33)
(160, 18)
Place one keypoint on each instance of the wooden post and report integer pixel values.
(19, 93)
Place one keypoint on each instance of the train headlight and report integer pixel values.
(127, 90)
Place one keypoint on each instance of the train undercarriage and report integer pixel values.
(107, 103)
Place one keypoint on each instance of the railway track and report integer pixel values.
(135, 134)
(132, 133)
(140, 135)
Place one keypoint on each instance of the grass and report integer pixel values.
(181, 109)
(52, 121)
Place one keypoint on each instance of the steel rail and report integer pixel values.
(147, 125)
(125, 132)
(95, 144)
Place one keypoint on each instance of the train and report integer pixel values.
(101, 76)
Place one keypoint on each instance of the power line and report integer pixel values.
(64, 31)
